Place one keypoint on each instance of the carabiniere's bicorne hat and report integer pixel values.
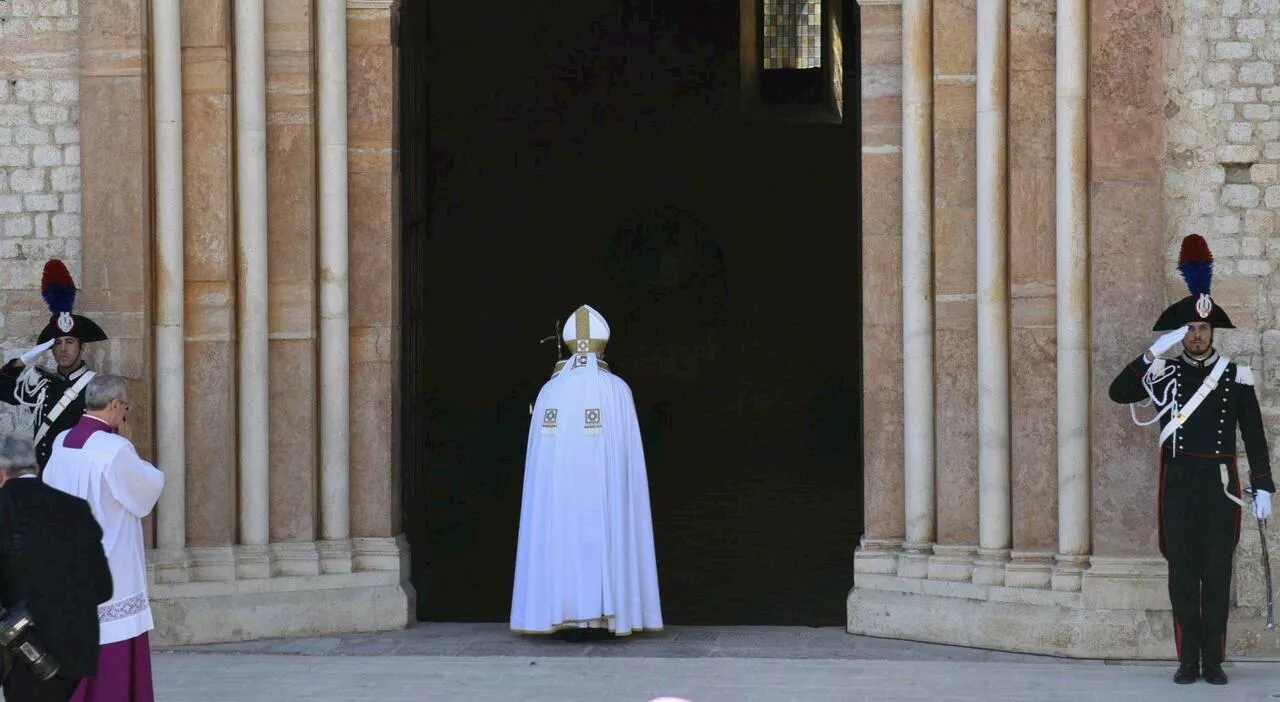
(1195, 263)
(59, 292)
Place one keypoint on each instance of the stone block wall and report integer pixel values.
(1222, 180)
(39, 163)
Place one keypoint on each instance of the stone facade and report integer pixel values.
(69, 68)
(39, 164)
(1183, 135)
(1183, 120)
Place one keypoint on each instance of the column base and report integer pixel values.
(295, 558)
(1029, 569)
(952, 563)
(335, 555)
(989, 568)
(252, 562)
(200, 611)
(382, 554)
(212, 563)
(1068, 572)
(877, 556)
(914, 560)
(170, 565)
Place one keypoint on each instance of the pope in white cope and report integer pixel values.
(95, 461)
(585, 558)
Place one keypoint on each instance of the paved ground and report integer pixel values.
(484, 663)
(253, 678)
(673, 642)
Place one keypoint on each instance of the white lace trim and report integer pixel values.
(122, 609)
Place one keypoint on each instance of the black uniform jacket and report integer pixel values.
(1210, 433)
(58, 566)
(55, 386)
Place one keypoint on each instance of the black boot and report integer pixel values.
(1187, 673)
(1213, 674)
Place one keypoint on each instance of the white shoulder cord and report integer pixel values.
(30, 384)
(1157, 372)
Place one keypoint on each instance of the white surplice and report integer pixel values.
(121, 489)
(585, 556)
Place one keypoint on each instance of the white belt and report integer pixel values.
(66, 399)
(1180, 417)
(1226, 484)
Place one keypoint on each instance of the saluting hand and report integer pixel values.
(1167, 341)
(34, 352)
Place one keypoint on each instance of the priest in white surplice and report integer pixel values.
(585, 557)
(95, 461)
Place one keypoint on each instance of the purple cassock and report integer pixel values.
(124, 674)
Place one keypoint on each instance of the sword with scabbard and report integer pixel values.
(1266, 569)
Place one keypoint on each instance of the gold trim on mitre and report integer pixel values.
(586, 332)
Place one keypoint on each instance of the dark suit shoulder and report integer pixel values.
(33, 491)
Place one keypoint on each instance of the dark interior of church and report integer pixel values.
(598, 152)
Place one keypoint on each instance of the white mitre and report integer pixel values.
(586, 332)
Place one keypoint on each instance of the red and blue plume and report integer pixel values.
(1195, 263)
(57, 287)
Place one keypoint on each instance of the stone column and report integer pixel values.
(374, 187)
(881, 91)
(954, 280)
(209, 279)
(1072, 292)
(1128, 261)
(335, 324)
(252, 559)
(166, 64)
(1033, 363)
(993, 293)
(917, 285)
(291, 271)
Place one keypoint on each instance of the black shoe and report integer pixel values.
(1213, 674)
(1187, 674)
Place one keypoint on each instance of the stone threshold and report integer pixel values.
(231, 594)
(1121, 613)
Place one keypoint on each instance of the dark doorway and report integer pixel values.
(556, 154)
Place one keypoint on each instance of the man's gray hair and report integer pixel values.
(102, 390)
(17, 455)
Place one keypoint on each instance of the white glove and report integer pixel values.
(1262, 504)
(1167, 341)
(34, 352)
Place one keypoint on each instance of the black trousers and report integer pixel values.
(22, 685)
(1200, 527)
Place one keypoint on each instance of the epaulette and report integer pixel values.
(1244, 375)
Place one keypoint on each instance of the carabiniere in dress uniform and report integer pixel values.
(1203, 399)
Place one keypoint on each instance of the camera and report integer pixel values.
(15, 635)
